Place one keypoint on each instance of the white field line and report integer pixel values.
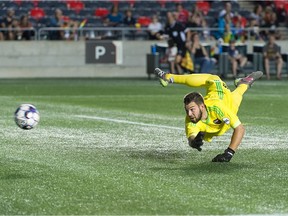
(259, 138)
(128, 122)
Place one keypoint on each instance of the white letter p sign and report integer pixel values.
(99, 51)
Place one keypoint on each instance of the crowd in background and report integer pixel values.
(230, 23)
(183, 28)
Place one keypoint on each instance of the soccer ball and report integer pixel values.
(26, 116)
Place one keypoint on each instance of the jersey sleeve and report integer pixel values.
(230, 118)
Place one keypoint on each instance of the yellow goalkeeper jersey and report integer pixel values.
(221, 112)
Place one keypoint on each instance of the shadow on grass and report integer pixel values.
(13, 176)
(159, 155)
(205, 168)
(189, 163)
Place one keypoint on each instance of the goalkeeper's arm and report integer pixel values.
(235, 142)
(237, 137)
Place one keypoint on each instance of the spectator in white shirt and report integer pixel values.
(154, 28)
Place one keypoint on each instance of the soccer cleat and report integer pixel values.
(161, 75)
(250, 79)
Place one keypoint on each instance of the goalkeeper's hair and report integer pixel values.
(195, 97)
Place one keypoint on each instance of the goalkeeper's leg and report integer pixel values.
(192, 80)
(237, 95)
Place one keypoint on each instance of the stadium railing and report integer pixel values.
(129, 33)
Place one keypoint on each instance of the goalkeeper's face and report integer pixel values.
(194, 111)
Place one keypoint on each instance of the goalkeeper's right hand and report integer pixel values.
(197, 142)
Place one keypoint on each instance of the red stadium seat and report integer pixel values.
(66, 18)
(144, 21)
(241, 20)
(37, 13)
(286, 7)
(280, 3)
(75, 5)
(203, 6)
(130, 2)
(101, 12)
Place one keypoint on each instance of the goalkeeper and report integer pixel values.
(213, 114)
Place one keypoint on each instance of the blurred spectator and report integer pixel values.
(240, 23)
(229, 33)
(271, 26)
(155, 28)
(176, 31)
(267, 20)
(182, 14)
(71, 31)
(201, 55)
(129, 20)
(227, 10)
(271, 52)
(206, 34)
(254, 33)
(10, 22)
(195, 20)
(171, 53)
(114, 18)
(257, 15)
(281, 13)
(237, 60)
(25, 25)
(56, 22)
(70, 27)
(223, 22)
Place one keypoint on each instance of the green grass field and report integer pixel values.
(117, 147)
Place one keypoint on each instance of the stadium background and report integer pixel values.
(43, 58)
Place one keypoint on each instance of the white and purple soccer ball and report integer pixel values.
(26, 116)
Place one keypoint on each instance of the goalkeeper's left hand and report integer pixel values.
(197, 142)
(224, 157)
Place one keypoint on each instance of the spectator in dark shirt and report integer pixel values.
(25, 25)
(176, 31)
(195, 21)
(10, 22)
(56, 22)
(271, 26)
(201, 55)
(129, 20)
(69, 26)
(271, 52)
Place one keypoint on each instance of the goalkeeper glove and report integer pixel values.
(224, 157)
(197, 142)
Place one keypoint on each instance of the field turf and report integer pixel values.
(117, 147)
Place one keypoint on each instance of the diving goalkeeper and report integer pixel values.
(215, 113)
